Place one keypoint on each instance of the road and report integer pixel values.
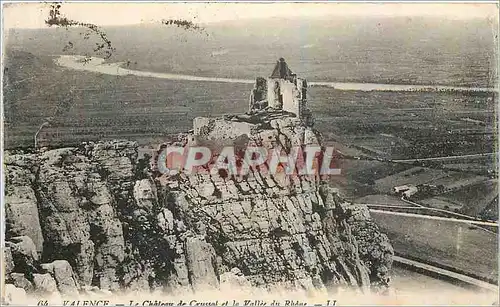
(470, 222)
(429, 269)
(458, 215)
(416, 206)
(446, 157)
(421, 208)
(411, 202)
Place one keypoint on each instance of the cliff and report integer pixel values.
(96, 216)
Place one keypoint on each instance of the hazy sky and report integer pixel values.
(32, 15)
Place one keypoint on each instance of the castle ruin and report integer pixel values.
(281, 97)
(281, 91)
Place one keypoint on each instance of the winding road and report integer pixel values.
(488, 154)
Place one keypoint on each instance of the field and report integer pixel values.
(403, 125)
(474, 198)
(441, 203)
(443, 243)
(415, 176)
(86, 106)
(381, 199)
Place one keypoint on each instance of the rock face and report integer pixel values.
(106, 220)
(21, 205)
(276, 229)
(97, 216)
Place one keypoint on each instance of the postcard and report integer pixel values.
(249, 153)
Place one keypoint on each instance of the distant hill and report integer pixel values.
(375, 49)
(90, 106)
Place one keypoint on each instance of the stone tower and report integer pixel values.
(282, 91)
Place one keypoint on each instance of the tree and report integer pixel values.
(104, 48)
(56, 18)
(44, 124)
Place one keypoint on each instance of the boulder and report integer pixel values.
(145, 194)
(63, 274)
(44, 283)
(234, 280)
(24, 253)
(200, 258)
(14, 295)
(20, 281)
(9, 262)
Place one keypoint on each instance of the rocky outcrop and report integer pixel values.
(23, 253)
(13, 294)
(100, 217)
(8, 261)
(21, 282)
(45, 284)
(234, 280)
(62, 272)
(21, 204)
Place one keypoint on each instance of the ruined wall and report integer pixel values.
(302, 94)
(258, 95)
(292, 95)
(213, 128)
(273, 91)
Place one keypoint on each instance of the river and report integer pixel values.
(98, 65)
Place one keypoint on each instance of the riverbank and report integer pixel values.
(99, 65)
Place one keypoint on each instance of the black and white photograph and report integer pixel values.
(257, 154)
